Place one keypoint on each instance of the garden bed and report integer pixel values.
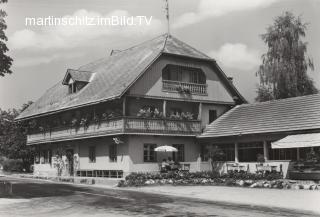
(252, 180)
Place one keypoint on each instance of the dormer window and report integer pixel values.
(185, 80)
(76, 80)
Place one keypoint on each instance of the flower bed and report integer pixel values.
(270, 180)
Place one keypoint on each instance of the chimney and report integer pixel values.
(114, 52)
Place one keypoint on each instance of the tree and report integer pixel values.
(5, 60)
(283, 72)
(214, 154)
(13, 137)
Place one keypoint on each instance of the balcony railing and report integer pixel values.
(123, 125)
(178, 86)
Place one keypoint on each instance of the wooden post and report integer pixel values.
(164, 108)
(200, 111)
(124, 106)
(265, 151)
(236, 153)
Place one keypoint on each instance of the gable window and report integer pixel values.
(178, 156)
(212, 115)
(92, 154)
(184, 80)
(183, 74)
(149, 155)
(113, 152)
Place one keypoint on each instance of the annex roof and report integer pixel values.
(298, 141)
(113, 75)
(298, 113)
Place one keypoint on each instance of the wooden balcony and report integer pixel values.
(178, 86)
(123, 125)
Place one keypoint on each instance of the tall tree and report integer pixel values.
(5, 60)
(283, 72)
(13, 137)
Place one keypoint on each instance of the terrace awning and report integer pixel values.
(298, 141)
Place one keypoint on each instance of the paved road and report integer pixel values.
(37, 198)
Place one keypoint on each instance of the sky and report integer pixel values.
(227, 30)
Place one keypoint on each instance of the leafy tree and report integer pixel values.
(283, 72)
(13, 137)
(214, 154)
(5, 60)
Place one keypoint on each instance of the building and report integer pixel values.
(282, 131)
(106, 118)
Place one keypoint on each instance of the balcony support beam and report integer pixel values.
(164, 108)
(124, 102)
(200, 111)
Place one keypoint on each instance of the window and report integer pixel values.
(227, 149)
(212, 116)
(149, 155)
(178, 156)
(282, 154)
(92, 154)
(184, 74)
(45, 156)
(113, 152)
(248, 152)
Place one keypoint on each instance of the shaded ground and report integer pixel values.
(36, 198)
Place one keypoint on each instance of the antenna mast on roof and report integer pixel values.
(167, 16)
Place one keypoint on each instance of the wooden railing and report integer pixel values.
(67, 132)
(162, 126)
(178, 86)
(122, 125)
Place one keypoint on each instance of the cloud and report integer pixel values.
(237, 56)
(214, 8)
(70, 36)
(38, 60)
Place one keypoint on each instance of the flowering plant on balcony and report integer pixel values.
(32, 124)
(75, 122)
(181, 116)
(149, 112)
(41, 128)
(109, 114)
(182, 89)
(84, 122)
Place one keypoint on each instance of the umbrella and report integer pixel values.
(166, 148)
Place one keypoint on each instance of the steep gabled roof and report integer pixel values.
(113, 75)
(298, 113)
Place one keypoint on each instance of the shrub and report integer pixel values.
(13, 165)
(196, 178)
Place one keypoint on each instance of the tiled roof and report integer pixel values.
(298, 113)
(112, 75)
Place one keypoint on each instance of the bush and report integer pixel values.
(13, 165)
(196, 178)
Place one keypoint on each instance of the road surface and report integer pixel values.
(39, 198)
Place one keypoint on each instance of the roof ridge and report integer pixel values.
(144, 42)
(190, 47)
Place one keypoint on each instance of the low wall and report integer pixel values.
(44, 170)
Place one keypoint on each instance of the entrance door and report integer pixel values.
(69, 154)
